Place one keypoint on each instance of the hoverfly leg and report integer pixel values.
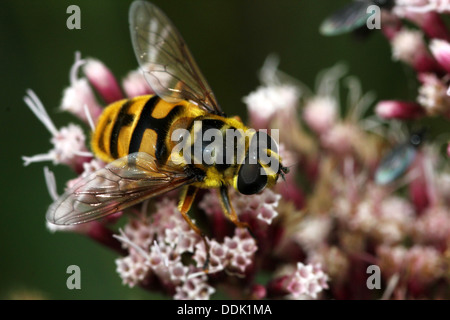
(206, 264)
(229, 210)
(187, 198)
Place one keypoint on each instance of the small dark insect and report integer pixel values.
(399, 159)
(352, 17)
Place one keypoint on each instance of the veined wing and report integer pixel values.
(121, 184)
(168, 66)
(349, 18)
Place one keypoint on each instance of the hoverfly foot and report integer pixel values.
(206, 264)
(249, 229)
(208, 255)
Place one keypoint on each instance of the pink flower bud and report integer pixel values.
(258, 292)
(135, 84)
(102, 80)
(441, 52)
(418, 188)
(392, 109)
(391, 24)
(79, 95)
(431, 23)
(409, 47)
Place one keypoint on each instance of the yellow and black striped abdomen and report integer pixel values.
(141, 124)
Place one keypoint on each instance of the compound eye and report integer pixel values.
(251, 178)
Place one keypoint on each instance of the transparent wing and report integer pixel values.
(165, 59)
(347, 19)
(395, 163)
(122, 183)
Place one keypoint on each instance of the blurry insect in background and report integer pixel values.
(352, 18)
(398, 160)
(135, 137)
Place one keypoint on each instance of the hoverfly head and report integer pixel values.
(261, 166)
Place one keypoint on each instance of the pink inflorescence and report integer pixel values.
(314, 235)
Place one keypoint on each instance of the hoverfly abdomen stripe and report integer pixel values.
(159, 125)
(123, 119)
(142, 124)
(101, 138)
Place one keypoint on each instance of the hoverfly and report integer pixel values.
(397, 161)
(351, 17)
(134, 136)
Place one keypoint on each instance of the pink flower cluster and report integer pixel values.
(303, 282)
(345, 221)
(159, 250)
(315, 234)
(426, 48)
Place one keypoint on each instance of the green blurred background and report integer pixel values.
(230, 40)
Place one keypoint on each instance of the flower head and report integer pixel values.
(320, 113)
(268, 101)
(409, 46)
(194, 289)
(79, 98)
(433, 95)
(392, 109)
(304, 282)
(69, 146)
(323, 224)
(102, 79)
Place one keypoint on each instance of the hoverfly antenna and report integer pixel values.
(283, 171)
(283, 176)
(286, 169)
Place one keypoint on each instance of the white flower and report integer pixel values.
(307, 281)
(320, 113)
(234, 255)
(262, 206)
(132, 269)
(407, 45)
(69, 142)
(433, 95)
(195, 288)
(268, 101)
(79, 98)
(313, 231)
